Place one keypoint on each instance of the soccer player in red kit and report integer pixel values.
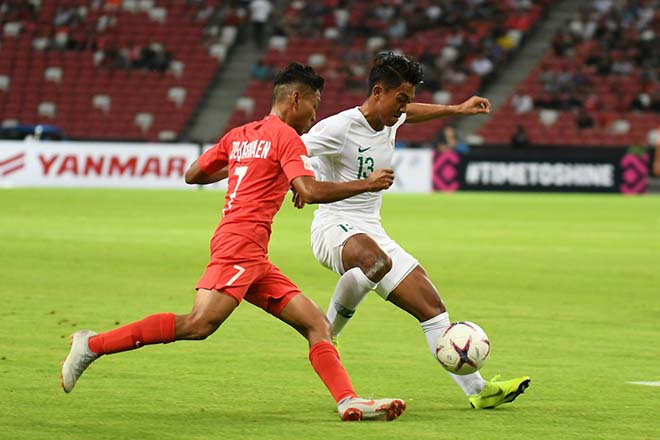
(262, 160)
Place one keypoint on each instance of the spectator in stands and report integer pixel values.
(354, 77)
(482, 66)
(582, 27)
(655, 101)
(622, 65)
(261, 71)
(604, 66)
(565, 80)
(642, 102)
(649, 77)
(105, 22)
(575, 101)
(161, 62)
(582, 83)
(519, 138)
(135, 55)
(235, 15)
(198, 10)
(448, 140)
(397, 28)
(549, 79)
(562, 43)
(260, 12)
(522, 103)
(112, 5)
(584, 120)
(14, 10)
(432, 76)
(550, 101)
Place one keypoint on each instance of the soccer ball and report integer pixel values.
(462, 348)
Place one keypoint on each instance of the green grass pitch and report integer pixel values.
(566, 286)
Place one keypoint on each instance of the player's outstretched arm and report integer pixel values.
(195, 176)
(310, 190)
(418, 112)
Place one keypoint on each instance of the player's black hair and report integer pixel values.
(296, 73)
(391, 70)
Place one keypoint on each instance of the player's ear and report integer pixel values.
(295, 98)
(377, 91)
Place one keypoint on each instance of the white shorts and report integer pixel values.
(330, 232)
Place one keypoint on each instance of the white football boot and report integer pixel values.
(356, 408)
(79, 358)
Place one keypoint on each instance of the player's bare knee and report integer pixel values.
(199, 328)
(204, 330)
(319, 329)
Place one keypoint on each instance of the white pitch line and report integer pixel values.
(648, 384)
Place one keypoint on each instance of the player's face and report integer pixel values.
(393, 102)
(305, 111)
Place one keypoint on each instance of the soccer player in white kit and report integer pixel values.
(347, 236)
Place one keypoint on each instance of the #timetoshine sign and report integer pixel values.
(583, 170)
(543, 174)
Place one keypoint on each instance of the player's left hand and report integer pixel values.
(296, 200)
(474, 106)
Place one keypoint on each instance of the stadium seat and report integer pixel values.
(40, 43)
(331, 33)
(246, 105)
(177, 95)
(4, 82)
(620, 126)
(158, 14)
(548, 117)
(228, 35)
(102, 102)
(130, 6)
(177, 67)
(278, 43)
(12, 28)
(144, 120)
(53, 74)
(442, 97)
(218, 51)
(47, 108)
(145, 5)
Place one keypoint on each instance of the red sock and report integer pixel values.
(326, 363)
(153, 329)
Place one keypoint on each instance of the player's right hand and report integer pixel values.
(296, 199)
(380, 179)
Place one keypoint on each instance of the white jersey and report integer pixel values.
(347, 148)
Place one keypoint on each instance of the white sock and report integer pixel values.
(471, 384)
(351, 289)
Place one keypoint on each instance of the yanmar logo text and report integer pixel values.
(55, 165)
(11, 164)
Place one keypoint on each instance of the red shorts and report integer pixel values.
(240, 269)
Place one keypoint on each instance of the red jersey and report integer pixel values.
(264, 157)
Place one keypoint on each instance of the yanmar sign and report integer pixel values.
(78, 164)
